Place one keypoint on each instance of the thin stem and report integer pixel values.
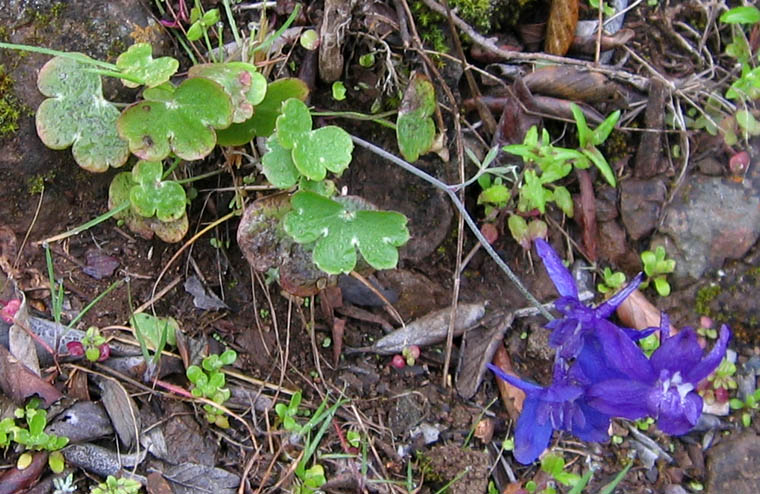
(231, 21)
(467, 218)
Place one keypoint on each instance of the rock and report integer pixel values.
(732, 466)
(710, 220)
(612, 242)
(640, 205)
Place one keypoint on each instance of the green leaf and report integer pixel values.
(118, 193)
(151, 195)
(327, 148)
(555, 170)
(747, 122)
(265, 113)
(293, 123)
(151, 328)
(339, 228)
(76, 114)
(600, 162)
(194, 374)
(662, 286)
(741, 15)
(415, 130)
(552, 464)
(533, 193)
(605, 128)
(24, 461)
(243, 83)
(497, 194)
(277, 165)
(314, 477)
(309, 39)
(180, 121)
(518, 227)
(138, 61)
(338, 91)
(564, 200)
(195, 31)
(228, 357)
(585, 136)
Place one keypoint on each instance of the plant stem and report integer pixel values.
(465, 215)
(85, 226)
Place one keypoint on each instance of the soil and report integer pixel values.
(417, 434)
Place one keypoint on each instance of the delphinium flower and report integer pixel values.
(665, 385)
(578, 319)
(560, 406)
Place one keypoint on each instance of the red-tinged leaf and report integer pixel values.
(588, 213)
(490, 232)
(19, 383)
(511, 396)
(560, 28)
(739, 163)
(15, 480)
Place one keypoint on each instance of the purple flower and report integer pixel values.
(579, 320)
(663, 386)
(560, 406)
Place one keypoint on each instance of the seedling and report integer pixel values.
(312, 479)
(34, 436)
(524, 232)
(153, 333)
(415, 129)
(288, 413)
(554, 465)
(611, 281)
(657, 267)
(589, 140)
(64, 485)
(201, 22)
(208, 382)
(720, 383)
(112, 485)
(748, 406)
(93, 346)
(338, 91)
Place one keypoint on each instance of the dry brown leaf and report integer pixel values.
(19, 383)
(638, 312)
(572, 83)
(511, 396)
(560, 28)
(587, 216)
(15, 480)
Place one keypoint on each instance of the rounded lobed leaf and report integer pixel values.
(338, 230)
(317, 151)
(153, 196)
(415, 130)
(278, 165)
(244, 85)
(138, 61)
(76, 114)
(293, 123)
(182, 123)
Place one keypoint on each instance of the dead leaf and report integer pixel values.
(15, 480)
(203, 299)
(101, 461)
(190, 478)
(638, 312)
(511, 396)
(560, 28)
(122, 410)
(19, 383)
(572, 83)
(477, 349)
(515, 122)
(586, 216)
(427, 330)
(157, 484)
(84, 421)
(338, 328)
(587, 44)
(20, 342)
(99, 264)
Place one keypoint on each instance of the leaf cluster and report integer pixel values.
(657, 267)
(208, 382)
(288, 413)
(92, 341)
(112, 485)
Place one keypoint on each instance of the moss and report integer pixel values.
(475, 12)
(705, 296)
(11, 108)
(36, 183)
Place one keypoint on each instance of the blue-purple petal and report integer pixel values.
(680, 352)
(623, 354)
(596, 426)
(559, 274)
(531, 436)
(607, 308)
(681, 419)
(620, 398)
(711, 360)
(515, 381)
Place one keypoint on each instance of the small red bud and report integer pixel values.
(721, 395)
(398, 362)
(75, 348)
(105, 352)
(739, 162)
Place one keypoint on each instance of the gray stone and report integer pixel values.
(640, 205)
(732, 466)
(710, 220)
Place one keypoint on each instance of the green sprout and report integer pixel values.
(611, 281)
(34, 437)
(657, 267)
(208, 382)
(288, 413)
(748, 406)
(589, 139)
(112, 485)
(201, 22)
(92, 343)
